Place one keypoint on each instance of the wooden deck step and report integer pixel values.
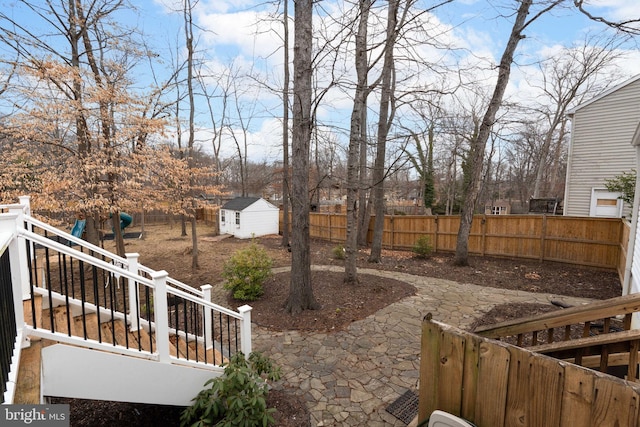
(212, 356)
(60, 319)
(141, 342)
(64, 321)
(181, 345)
(122, 335)
(28, 314)
(90, 323)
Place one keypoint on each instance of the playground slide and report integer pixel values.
(78, 228)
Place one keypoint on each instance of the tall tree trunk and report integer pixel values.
(557, 154)
(355, 137)
(364, 206)
(300, 291)
(285, 130)
(117, 233)
(385, 117)
(188, 28)
(478, 144)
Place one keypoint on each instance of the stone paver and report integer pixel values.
(349, 377)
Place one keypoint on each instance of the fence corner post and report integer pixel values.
(206, 295)
(245, 331)
(160, 311)
(134, 301)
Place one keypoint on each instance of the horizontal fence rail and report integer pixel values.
(595, 242)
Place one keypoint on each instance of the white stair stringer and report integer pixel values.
(75, 372)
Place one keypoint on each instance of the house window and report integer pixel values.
(498, 210)
(222, 212)
(238, 218)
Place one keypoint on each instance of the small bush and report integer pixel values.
(422, 248)
(237, 398)
(338, 252)
(246, 271)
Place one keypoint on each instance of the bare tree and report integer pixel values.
(566, 78)
(479, 144)
(385, 118)
(285, 128)
(300, 291)
(188, 31)
(356, 136)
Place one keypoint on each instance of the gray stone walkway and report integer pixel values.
(348, 378)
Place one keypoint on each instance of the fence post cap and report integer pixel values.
(245, 308)
(159, 274)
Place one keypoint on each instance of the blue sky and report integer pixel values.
(241, 35)
(476, 26)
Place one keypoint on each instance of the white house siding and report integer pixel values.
(600, 148)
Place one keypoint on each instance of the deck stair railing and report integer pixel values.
(92, 298)
(596, 335)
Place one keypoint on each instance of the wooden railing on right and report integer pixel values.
(611, 315)
(494, 384)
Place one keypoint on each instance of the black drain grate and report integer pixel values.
(405, 408)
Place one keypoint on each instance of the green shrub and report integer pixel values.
(422, 248)
(338, 252)
(246, 271)
(237, 398)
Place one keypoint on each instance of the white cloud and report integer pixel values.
(615, 9)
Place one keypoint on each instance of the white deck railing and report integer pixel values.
(23, 237)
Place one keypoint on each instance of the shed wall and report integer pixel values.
(259, 219)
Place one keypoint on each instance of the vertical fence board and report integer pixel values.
(546, 384)
(518, 397)
(470, 378)
(429, 369)
(492, 385)
(615, 404)
(450, 373)
(577, 397)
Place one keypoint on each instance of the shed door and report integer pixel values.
(605, 203)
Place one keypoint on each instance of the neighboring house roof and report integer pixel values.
(603, 94)
(240, 203)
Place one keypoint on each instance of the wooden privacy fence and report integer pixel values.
(494, 384)
(595, 242)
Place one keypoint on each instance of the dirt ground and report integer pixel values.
(164, 249)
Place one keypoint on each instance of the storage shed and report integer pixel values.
(247, 217)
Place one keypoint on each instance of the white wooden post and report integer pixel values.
(245, 329)
(134, 303)
(160, 314)
(23, 266)
(206, 293)
(26, 202)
